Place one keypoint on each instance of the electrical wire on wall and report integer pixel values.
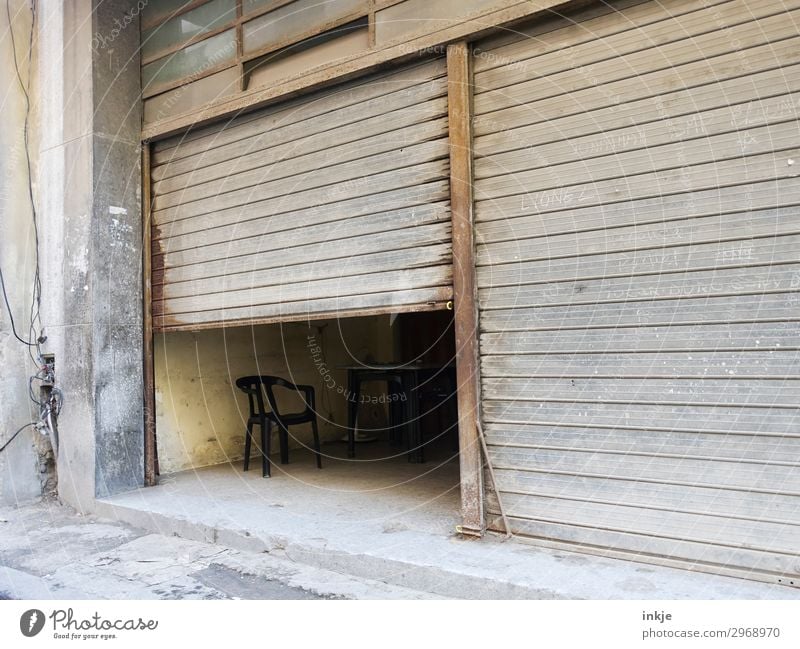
(50, 398)
(34, 334)
(13, 437)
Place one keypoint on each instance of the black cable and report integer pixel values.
(36, 297)
(35, 310)
(31, 393)
(3, 448)
(10, 314)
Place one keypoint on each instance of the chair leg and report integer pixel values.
(453, 405)
(354, 396)
(410, 385)
(393, 416)
(316, 443)
(283, 433)
(248, 439)
(420, 435)
(408, 428)
(452, 402)
(266, 437)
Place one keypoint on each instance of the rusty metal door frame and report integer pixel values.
(459, 96)
(150, 454)
(459, 73)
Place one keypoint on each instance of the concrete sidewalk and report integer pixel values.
(47, 551)
(363, 534)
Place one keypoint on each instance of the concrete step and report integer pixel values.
(447, 566)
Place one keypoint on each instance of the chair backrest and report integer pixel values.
(269, 383)
(251, 386)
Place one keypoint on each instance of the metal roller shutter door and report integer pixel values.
(333, 204)
(638, 232)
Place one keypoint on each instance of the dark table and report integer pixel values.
(403, 381)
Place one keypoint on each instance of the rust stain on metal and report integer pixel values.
(155, 238)
(148, 370)
(165, 322)
(156, 265)
(158, 296)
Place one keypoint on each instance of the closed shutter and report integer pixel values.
(638, 238)
(334, 204)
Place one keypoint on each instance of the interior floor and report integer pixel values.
(379, 487)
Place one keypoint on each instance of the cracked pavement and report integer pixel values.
(48, 551)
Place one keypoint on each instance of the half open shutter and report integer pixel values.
(332, 204)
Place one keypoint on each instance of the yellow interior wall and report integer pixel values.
(201, 415)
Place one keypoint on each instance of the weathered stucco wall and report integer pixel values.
(19, 465)
(201, 415)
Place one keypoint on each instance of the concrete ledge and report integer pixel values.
(449, 566)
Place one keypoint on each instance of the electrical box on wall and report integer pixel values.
(49, 400)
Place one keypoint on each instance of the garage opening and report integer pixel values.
(311, 243)
(405, 470)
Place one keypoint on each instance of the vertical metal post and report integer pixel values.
(459, 96)
(150, 478)
(371, 22)
(240, 46)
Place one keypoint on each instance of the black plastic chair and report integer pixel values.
(255, 387)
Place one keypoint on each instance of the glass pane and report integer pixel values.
(294, 20)
(267, 70)
(157, 10)
(191, 96)
(195, 58)
(201, 20)
(248, 6)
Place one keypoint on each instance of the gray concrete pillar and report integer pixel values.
(91, 212)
